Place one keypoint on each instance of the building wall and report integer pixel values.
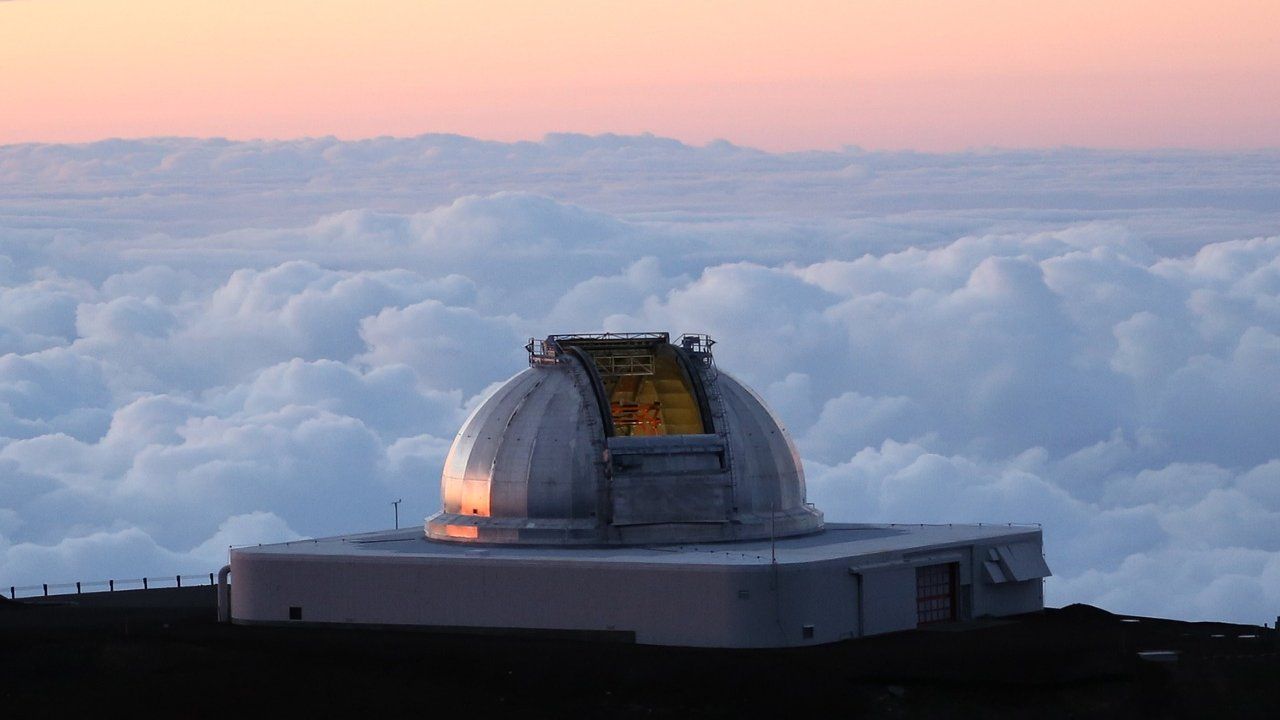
(670, 605)
(787, 604)
(1006, 598)
(889, 599)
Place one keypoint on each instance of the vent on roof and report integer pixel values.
(1014, 563)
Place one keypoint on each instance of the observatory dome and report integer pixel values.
(621, 439)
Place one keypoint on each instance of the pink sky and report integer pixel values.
(778, 75)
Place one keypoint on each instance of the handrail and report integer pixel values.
(224, 594)
(79, 587)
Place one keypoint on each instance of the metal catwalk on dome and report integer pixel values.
(622, 438)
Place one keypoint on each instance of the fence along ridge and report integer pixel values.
(143, 583)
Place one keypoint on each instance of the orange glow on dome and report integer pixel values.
(466, 497)
(475, 498)
(462, 531)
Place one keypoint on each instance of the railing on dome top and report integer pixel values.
(598, 337)
(618, 353)
(542, 352)
(81, 588)
(699, 346)
(622, 357)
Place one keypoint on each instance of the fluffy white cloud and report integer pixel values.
(129, 553)
(207, 343)
(387, 398)
(449, 347)
(53, 390)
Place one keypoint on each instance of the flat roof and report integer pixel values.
(835, 542)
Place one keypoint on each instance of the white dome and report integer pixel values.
(619, 439)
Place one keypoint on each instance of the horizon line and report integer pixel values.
(845, 148)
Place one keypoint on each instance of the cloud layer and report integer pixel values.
(206, 343)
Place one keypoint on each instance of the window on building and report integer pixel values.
(936, 593)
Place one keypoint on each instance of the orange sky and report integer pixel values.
(922, 74)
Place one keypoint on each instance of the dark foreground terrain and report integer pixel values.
(160, 650)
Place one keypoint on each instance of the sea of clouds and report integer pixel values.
(206, 343)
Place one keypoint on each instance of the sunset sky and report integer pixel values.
(923, 74)
(249, 322)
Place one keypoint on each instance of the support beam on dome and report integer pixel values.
(648, 388)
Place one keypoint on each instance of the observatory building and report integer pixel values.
(623, 487)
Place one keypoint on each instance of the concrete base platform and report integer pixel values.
(847, 581)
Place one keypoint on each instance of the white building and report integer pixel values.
(624, 487)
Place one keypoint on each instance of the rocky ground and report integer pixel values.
(161, 650)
